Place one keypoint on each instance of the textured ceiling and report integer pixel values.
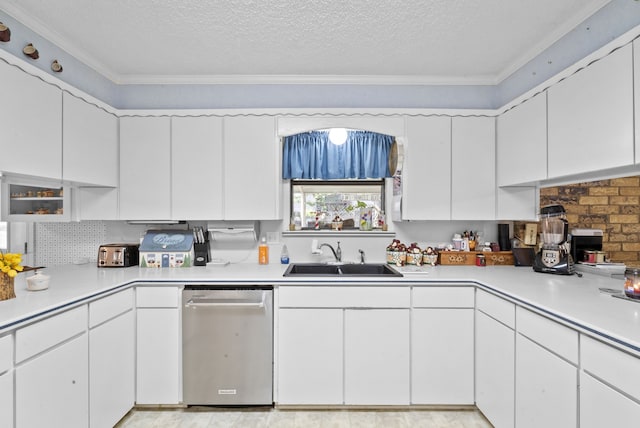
(387, 41)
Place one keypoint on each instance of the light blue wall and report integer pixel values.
(610, 22)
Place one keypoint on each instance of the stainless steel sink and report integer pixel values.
(322, 269)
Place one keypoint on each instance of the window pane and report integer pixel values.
(346, 201)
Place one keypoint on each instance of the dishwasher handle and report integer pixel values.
(225, 303)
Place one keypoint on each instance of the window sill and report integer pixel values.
(347, 233)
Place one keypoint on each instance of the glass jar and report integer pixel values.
(632, 282)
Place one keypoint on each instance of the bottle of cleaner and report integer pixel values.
(284, 255)
(263, 252)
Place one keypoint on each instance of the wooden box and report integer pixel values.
(463, 258)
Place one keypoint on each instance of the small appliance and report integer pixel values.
(555, 253)
(584, 241)
(118, 255)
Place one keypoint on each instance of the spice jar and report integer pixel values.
(632, 282)
(481, 260)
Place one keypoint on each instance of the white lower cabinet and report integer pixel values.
(495, 370)
(442, 337)
(52, 388)
(112, 370)
(310, 369)
(343, 345)
(609, 385)
(546, 388)
(6, 399)
(158, 346)
(6, 381)
(603, 406)
(376, 357)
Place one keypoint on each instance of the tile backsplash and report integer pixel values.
(68, 243)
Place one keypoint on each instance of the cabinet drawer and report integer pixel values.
(345, 297)
(617, 368)
(157, 297)
(6, 353)
(495, 307)
(443, 297)
(44, 334)
(110, 307)
(549, 334)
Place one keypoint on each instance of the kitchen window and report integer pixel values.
(337, 178)
(337, 204)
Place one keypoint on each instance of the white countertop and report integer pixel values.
(573, 300)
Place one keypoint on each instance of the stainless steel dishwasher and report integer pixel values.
(227, 345)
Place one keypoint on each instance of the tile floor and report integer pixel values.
(206, 417)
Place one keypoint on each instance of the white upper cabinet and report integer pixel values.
(145, 168)
(90, 143)
(197, 169)
(31, 124)
(522, 143)
(636, 86)
(427, 168)
(252, 170)
(517, 203)
(591, 117)
(473, 183)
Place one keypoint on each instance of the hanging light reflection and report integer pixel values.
(338, 136)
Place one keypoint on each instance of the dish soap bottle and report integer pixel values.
(263, 252)
(284, 255)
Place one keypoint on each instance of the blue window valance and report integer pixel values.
(311, 155)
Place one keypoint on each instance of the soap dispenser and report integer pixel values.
(263, 252)
(284, 255)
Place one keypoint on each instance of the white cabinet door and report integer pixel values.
(310, 350)
(52, 390)
(97, 203)
(442, 356)
(495, 371)
(90, 143)
(546, 388)
(427, 168)
(31, 124)
(473, 183)
(376, 359)
(6, 399)
(197, 169)
(591, 117)
(517, 203)
(252, 173)
(636, 87)
(522, 143)
(602, 406)
(158, 356)
(145, 168)
(111, 370)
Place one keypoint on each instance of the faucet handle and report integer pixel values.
(361, 255)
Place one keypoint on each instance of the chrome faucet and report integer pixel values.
(361, 256)
(337, 253)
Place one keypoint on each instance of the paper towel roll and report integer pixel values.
(234, 236)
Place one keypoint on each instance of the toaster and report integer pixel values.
(118, 255)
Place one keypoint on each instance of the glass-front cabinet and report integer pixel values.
(23, 201)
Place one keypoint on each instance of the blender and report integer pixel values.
(555, 253)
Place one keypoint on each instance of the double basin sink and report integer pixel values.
(347, 269)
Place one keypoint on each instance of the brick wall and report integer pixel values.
(610, 205)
